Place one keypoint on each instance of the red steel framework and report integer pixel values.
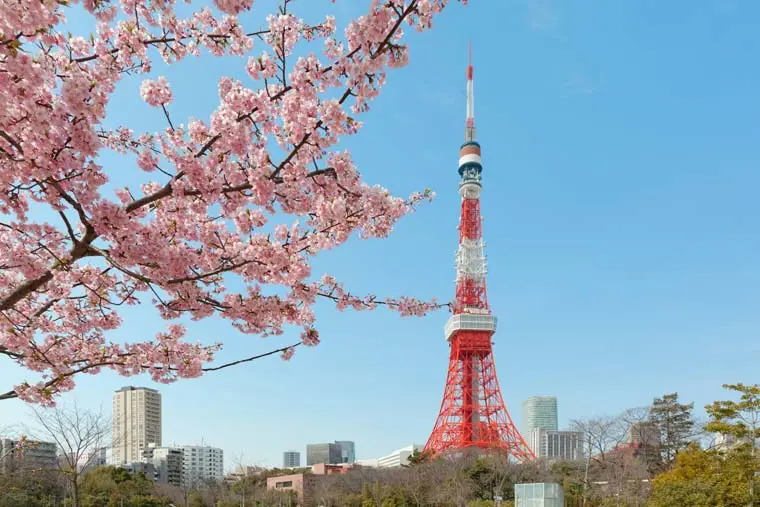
(473, 413)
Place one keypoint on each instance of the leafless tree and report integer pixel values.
(455, 486)
(78, 433)
(600, 436)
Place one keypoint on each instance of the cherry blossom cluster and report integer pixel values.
(252, 192)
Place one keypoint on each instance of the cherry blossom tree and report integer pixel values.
(245, 197)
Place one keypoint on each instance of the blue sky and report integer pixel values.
(621, 145)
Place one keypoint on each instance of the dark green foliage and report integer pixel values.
(418, 458)
(674, 422)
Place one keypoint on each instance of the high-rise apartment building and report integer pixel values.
(562, 445)
(539, 412)
(291, 459)
(200, 463)
(347, 451)
(330, 454)
(136, 422)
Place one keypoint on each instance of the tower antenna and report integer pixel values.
(469, 133)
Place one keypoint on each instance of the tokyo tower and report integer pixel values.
(473, 414)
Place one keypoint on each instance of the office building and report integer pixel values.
(167, 464)
(539, 412)
(560, 445)
(136, 423)
(28, 455)
(291, 459)
(201, 463)
(330, 454)
(347, 451)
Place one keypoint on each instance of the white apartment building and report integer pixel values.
(136, 423)
(200, 463)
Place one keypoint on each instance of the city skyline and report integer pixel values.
(620, 226)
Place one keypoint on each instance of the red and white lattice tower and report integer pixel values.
(473, 414)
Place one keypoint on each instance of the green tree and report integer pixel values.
(196, 500)
(702, 478)
(481, 503)
(740, 419)
(116, 487)
(675, 424)
(419, 457)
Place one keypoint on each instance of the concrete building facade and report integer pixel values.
(200, 463)
(539, 412)
(564, 445)
(167, 464)
(291, 459)
(136, 422)
(302, 485)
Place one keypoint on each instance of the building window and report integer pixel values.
(286, 484)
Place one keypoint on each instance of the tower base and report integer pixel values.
(473, 413)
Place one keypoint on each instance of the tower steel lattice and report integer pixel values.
(473, 413)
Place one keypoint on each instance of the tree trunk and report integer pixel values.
(74, 492)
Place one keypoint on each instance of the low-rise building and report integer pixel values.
(397, 458)
(539, 495)
(303, 484)
(27, 455)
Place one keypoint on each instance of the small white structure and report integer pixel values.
(397, 458)
(539, 494)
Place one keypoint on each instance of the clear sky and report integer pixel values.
(621, 149)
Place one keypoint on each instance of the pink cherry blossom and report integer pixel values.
(287, 354)
(310, 337)
(156, 93)
(249, 194)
